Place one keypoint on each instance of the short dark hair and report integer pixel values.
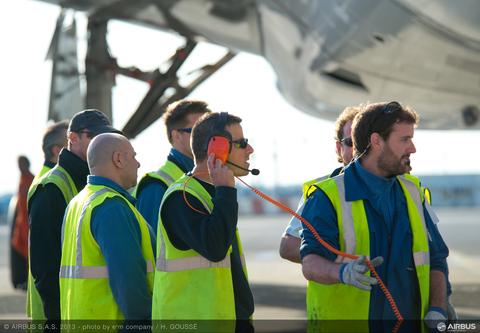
(55, 135)
(379, 118)
(175, 115)
(206, 127)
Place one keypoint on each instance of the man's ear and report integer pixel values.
(175, 135)
(376, 141)
(117, 159)
(73, 137)
(55, 150)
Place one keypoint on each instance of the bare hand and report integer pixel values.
(220, 174)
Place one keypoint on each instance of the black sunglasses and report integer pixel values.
(185, 130)
(347, 141)
(240, 143)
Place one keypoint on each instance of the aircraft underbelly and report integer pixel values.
(389, 55)
(331, 54)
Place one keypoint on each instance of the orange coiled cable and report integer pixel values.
(385, 290)
(287, 209)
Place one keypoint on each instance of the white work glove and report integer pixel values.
(434, 316)
(353, 273)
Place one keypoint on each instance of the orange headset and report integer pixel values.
(220, 144)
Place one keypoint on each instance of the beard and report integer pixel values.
(393, 165)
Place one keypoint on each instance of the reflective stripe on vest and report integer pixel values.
(353, 228)
(347, 218)
(187, 285)
(85, 292)
(167, 174)
(419, 257)
(169, 179)
(90, 272)
(60, 178)
(66, 184)
(64, 177)
(87, 272)
(182, 264)
(34, 305)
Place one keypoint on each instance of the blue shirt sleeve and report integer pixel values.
(319, 212)
(437, 247)
(117, 232)
(148, 202)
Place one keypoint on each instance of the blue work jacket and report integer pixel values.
(115, 228)
(390, 237)
(150, 195)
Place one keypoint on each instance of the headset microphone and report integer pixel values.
(254, 172)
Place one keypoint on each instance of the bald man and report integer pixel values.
(107, 252)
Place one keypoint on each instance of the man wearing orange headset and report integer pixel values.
(200, 269)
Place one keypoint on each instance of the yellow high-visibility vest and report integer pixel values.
(60, 178)
(167, 174)
(84, 289)
(341, 301)
(187, 285)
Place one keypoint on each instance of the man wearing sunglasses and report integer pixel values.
(179, 119)
(375, 210)
(291, 239)
(200, 269)
(47, 201)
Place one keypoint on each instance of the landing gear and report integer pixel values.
(165, 87)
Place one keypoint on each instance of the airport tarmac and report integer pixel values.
(279, 286)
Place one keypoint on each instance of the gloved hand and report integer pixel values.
(353, 273)
(434, 316)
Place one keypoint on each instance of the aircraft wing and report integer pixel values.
(331, 54)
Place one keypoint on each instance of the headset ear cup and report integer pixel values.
(220, 143)
(220, 146)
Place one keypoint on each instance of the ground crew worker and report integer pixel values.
(53, 141)
(290, 242)
(200, 269)
(46, 207)
(107, 262)
(374, 210)
(179, 119)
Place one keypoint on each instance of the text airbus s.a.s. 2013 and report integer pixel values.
(327, 54)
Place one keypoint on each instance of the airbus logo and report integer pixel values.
(442, 327)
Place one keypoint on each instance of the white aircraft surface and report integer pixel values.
(326, 54)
